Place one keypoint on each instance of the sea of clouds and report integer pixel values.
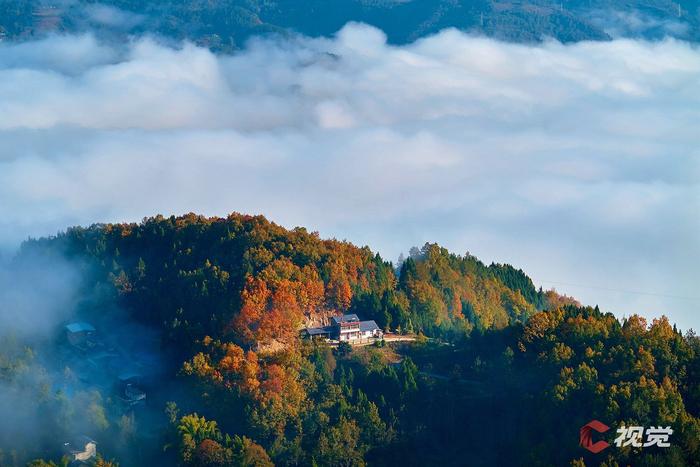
(579, 163)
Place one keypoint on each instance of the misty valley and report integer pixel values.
(211, 341)
(349, 233)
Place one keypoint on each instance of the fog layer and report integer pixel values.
(578, 163)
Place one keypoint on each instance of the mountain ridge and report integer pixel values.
(226, 25)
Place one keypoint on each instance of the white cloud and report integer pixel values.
(637, 24)
(578, 162)
(106, 15)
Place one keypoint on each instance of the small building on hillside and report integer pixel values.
(130, 389)
(323, 332)
(346, 328)
(80, 334)
(80, 450)
(369, 329)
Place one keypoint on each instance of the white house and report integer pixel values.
(81, 449)
(346, 328)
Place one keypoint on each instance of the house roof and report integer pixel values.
(366, 326)
(80, 326)
(129, 375)
(345, 318)
(318, 331)
(78, 444)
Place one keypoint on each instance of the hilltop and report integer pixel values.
(246, 278)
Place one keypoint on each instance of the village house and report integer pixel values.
(130, 389)
(346, 328)
(80, 450)
(80, 334)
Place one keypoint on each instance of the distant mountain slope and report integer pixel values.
(226, 24)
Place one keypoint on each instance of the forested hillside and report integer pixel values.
(500, 374)
(251, 280)
(227, 24)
